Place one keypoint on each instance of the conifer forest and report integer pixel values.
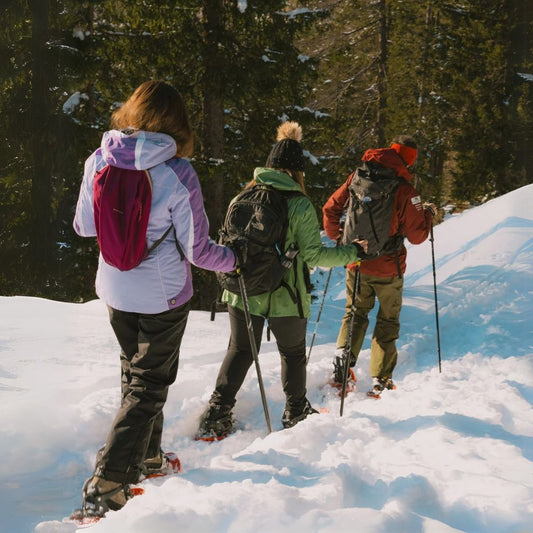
(455, 74)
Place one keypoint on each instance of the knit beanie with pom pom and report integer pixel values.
(287, 153)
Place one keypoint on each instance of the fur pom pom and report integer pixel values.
(290, 130)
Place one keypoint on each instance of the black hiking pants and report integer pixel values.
(149, 358)
(290, 338)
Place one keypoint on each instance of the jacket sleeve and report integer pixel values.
(192, 226)
(414, 220)
(84, 218)
(334, 208)
(307, 236)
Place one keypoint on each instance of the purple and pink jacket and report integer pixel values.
(163, 280)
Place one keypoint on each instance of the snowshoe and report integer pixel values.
(337, 376)
(291, 418)
(99, 497)
(216, 423)
(379, 385)
(162, 465)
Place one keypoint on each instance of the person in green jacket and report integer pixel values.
(284, 170)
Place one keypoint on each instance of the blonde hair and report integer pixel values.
(156, 106)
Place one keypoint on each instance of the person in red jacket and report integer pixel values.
(381, 277)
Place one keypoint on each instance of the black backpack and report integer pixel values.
(256, 223)
(370, 209)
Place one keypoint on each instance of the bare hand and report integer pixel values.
(362, 244)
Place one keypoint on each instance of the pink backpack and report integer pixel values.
(122, 202)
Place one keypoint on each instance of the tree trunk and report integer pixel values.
(213, 112)
(382, 74)
(41, 237)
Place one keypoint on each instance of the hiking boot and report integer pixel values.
(379, 385)
(338, 373)
(101, 496)
(290, 417)
(216, 422)
(387, 383)
(161, 465)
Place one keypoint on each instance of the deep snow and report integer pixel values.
(445, 452)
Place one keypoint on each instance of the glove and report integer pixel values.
(432, 208)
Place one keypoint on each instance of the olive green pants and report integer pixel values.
(383, 354)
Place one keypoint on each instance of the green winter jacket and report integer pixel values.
(304, 233)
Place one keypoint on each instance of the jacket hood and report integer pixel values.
(388, 158)
(137, 149)
(278, 180)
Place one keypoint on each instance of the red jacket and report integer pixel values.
(409, 218)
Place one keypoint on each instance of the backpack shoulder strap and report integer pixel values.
(163, 237)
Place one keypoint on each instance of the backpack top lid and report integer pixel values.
(258, 214)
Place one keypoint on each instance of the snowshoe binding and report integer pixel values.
(291, 417)
(338, 374)
(216, 423)
(99, 497)
(163, 464)
(379, 385)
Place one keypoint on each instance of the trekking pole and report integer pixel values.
(253, 347)
(319, 313)
(347, 352)
(321, 306)
(432, 239)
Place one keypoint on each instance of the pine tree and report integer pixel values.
(234, 63)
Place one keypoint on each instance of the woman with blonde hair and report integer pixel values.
(288, 307)
(148, 304)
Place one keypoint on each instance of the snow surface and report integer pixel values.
(445, 452)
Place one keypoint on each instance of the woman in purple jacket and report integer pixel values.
(149, 304)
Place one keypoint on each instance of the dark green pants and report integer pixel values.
(149, 358)
(388, 291)
(290, 338)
